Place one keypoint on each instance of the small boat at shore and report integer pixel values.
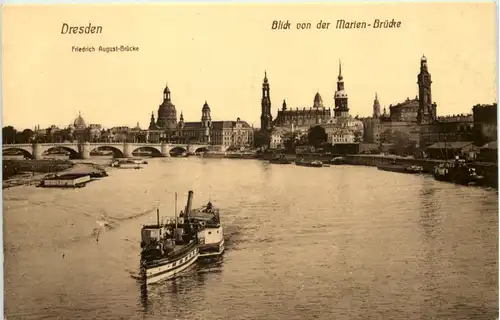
(457, 172)
(281, 159)
(338, 161)
(401, 168)
(305, 163)
(127, 164)
(168, 248)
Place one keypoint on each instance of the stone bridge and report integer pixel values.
(119, 149)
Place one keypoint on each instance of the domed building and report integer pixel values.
(167, 114)
(236, 134)
(339, 125)
(78, 129)
(304, 117)
(79, 123)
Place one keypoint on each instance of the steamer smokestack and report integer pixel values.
(189, 204)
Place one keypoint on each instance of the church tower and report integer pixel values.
(426, 109)
(265, 117)
(206, 122)
(152, 122)
(341, 106)
(167, 115)
(376, 107)
(181, 122)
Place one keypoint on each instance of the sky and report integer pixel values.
(219, 52)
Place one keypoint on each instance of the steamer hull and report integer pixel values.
(211, 242)
(212, 250)
(171, 268)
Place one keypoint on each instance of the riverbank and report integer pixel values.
(32, 172)
(488, 170)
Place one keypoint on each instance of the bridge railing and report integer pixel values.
(17, 145)
(55, 144)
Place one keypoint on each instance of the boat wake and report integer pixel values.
(132, 217)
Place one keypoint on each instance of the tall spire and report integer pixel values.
(340, 70)
(152, 122)
(340, 81)
(265, 116)
(376, 107)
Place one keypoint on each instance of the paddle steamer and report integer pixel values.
(168, 248)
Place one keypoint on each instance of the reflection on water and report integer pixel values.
(341, 242)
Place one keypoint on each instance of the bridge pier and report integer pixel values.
(127, 150)
(165, 150)
(36, 154)
(84, 150)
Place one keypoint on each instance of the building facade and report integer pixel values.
(485, 123)
(416, 121)
(305, 117)
(339, 125)
(455, 128)
(405, 119)
(237, 134)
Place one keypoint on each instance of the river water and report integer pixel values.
(344, 242)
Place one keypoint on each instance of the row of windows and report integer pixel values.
(182, 260)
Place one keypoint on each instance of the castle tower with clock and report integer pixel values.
(426, 108)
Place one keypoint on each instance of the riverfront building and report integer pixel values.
(234, 134)
(339, 125)
(415, 120)
(78, 130)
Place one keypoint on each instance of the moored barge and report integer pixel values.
(314, 163)
(401, 168)
(457, 172)
(281, 159)
(70, 180)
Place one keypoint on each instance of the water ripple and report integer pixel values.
(344, 242)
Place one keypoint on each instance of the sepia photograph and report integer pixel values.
(225, 161)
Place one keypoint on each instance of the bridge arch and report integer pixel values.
(72, 153)
(178, 150)
(201, 149)
(154, 151)
(117, 153)
(24, 152)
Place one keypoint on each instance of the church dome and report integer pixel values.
(423, 59)
(79, 122)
